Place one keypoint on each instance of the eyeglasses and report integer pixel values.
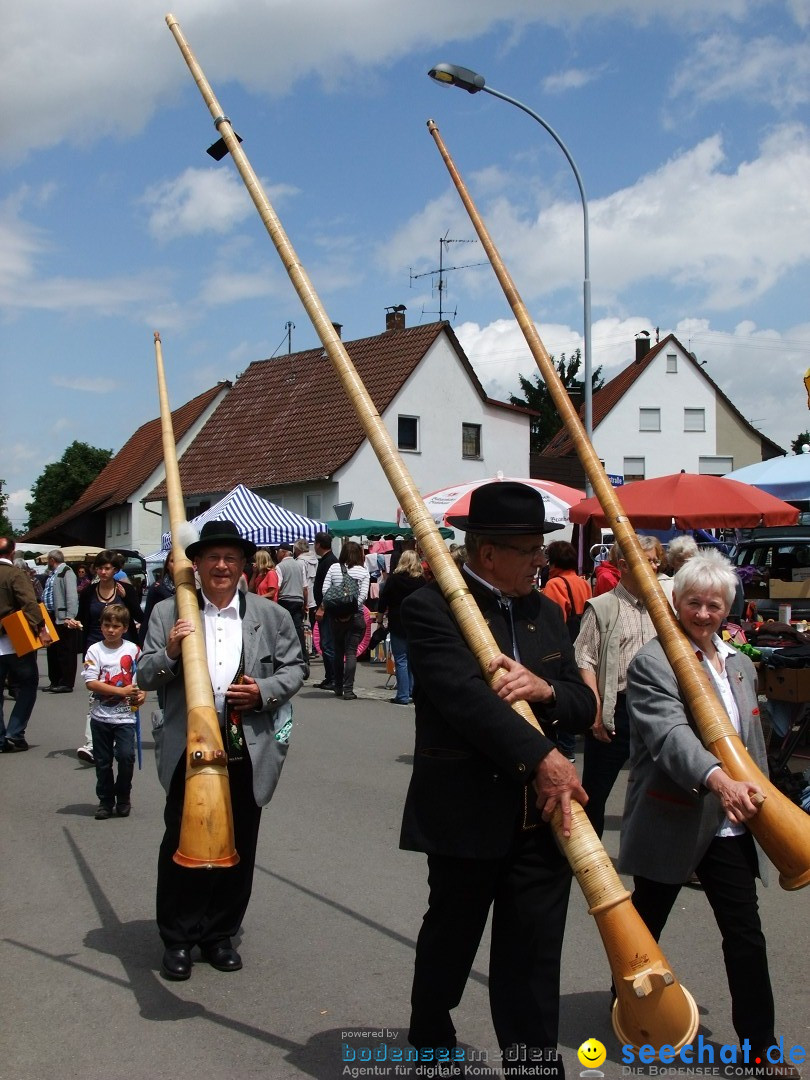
(527, 553)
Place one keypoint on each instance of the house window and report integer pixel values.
(408, 433)
(715, 466)
(633, 469)
(314, 506)
(649, 419)
(694, 419)
(672, 363)
(471, 440)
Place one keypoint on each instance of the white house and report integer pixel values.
(287, 430)
(662, 414)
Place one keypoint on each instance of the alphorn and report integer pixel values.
(639, 967)
(206, 829)
(781, 827)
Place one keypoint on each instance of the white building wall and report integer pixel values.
(670, 449)
(442, 396)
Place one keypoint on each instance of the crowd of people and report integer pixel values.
(582, 656)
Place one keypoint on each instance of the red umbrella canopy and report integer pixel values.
(687, 501)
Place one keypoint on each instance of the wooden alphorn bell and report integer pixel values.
(206, 829)
(780, 826)
(632, 951)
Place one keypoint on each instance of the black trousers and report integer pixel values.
(602, 762)
(296, 609)
(203, 907)
(727, 873)
(528, 891)
(63, 657)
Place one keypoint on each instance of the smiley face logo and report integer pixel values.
(592, 1054)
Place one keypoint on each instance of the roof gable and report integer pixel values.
(134, 463)
(288, 420)
(612, 392)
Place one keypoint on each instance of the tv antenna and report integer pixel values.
(444, 241)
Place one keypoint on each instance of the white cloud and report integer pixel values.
(572, 79)
(724, 237)
(760, 370)
(103, 69)
(767, 69)
(200, 201)
(85, 385)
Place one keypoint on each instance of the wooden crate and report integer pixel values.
(787, 684)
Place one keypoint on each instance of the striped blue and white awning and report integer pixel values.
(257, 519)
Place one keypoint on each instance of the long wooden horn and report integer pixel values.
(206, 830)
(640, 969)
(781, 827)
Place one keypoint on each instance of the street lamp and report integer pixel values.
(472, 82)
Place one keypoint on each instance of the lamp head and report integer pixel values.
(453, 75)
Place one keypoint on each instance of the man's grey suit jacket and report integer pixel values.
(272, 657)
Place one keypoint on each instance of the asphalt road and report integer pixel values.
(329, 935)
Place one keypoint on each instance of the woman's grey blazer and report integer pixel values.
(669, 817)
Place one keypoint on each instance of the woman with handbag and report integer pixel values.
(345, 589)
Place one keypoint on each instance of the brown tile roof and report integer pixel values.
(287, 420)
(612, 392)
(132, 465)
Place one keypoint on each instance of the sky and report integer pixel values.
(688, 122)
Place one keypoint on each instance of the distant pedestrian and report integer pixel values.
(109, 675)
(61, 599)
(406, 579)
(17, 594)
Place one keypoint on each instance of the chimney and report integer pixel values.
(642, 345)
(395, 317)
(338, 328)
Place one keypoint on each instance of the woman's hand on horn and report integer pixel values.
(736, 796)
(181, 629)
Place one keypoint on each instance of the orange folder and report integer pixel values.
(20, 634)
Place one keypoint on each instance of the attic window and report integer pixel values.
(471, 441)
(672, 363)
(408, 433)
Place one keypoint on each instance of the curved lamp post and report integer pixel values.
(472, 82)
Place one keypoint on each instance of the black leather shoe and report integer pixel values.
(62, 690)
(176, 964)
(349, 695)
(223, 957)
(15, 745)
(323, 685)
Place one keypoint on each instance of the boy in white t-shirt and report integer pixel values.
(109, 675)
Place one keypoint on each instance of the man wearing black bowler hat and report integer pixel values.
(485, 784)
(255, 663)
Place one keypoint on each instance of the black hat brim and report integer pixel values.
(503, 528)
(247, 546)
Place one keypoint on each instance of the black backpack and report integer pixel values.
(573, 621)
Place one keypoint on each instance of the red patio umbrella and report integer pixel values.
(687, 501)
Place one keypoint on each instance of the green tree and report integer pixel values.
(6, 528)
(799, 442)
(61, 483)
(536, 396)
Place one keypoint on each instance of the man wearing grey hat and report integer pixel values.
(485, 784)
(256, 666)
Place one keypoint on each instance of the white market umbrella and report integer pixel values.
(557, 499)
